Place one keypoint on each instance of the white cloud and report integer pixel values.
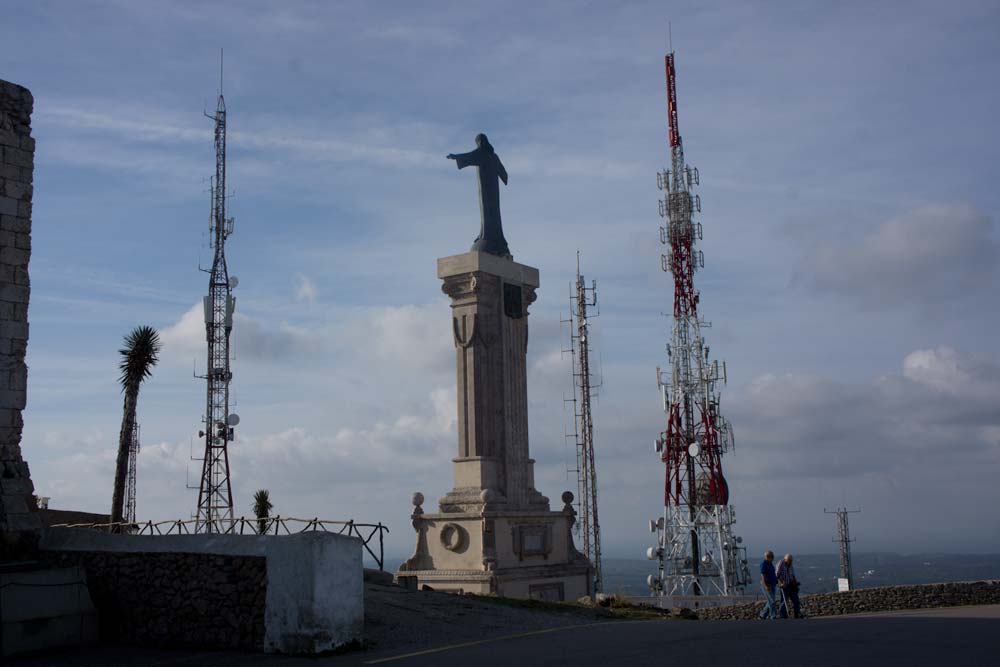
(305, 289)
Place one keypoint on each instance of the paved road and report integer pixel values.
(939, 638)
(945, 637)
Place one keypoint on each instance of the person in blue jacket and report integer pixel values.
(769, 585)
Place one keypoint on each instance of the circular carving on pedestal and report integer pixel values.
(567, 497)
(452, 537)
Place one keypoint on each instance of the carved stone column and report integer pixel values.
(490, 296)
(494, 533)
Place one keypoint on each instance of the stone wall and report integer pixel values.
(312, 583)
(867, 600)
(173, 599)
(18, 525)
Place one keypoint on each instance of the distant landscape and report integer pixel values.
(818, 572)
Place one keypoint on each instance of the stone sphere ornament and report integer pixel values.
(567, 497)
(418, 499)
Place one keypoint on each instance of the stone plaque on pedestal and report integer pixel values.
(494, 533)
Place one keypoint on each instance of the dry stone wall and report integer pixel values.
(867, 600)
(173, 599)
(18, 523)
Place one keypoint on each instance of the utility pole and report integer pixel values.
(843, 540)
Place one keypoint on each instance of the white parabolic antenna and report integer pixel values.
(233, 419)
(233, 282)
(693, 449)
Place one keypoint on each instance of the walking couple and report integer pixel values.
(784, 580)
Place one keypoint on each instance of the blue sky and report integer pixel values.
(847, 155)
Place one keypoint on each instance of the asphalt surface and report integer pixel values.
(949, 637)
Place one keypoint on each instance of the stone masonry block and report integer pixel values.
(18, 347)
(10, 451)
(13, 504)
(21, 312)
(20, 277)
(28, 144)
(12, 255)
(17, 156)
(16, 294)
(14, 223)
(22, 487)
(15, 398)
(17, 190)
(13, 329)
(8, 206)
(7, 238)
(11, 171)
(18, 379)
(24, 209)
(22, 241)
(10, 417)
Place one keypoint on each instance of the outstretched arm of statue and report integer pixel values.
(462, 160)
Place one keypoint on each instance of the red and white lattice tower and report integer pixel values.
(697, 551)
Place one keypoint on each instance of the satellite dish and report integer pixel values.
(693, 449)
(233, 419)
(233, 282)
(651, 553)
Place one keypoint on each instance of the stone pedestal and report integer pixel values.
(494, 532)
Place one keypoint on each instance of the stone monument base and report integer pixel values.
(507, 552)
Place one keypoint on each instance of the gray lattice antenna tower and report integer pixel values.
(581, 299)
(843, 540)
(133, 456)
(215, 493)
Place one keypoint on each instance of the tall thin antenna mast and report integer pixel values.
(695, 546)
(582, 298)
(843, 540)
(133, 462)
(215, 493)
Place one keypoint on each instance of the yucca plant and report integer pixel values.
(140, 354)
(262, 509)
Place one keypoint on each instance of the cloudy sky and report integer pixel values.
(847, 154)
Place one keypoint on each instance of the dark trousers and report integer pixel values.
(790, 595)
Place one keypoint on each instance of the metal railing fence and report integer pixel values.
(277, 525)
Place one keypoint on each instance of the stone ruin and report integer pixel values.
(19, 524)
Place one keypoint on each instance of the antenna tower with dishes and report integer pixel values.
(215, 493)
(698, 553)
(581, 299)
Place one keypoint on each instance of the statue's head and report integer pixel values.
(481, 141)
